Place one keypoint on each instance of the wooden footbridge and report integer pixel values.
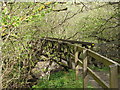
(79, 53)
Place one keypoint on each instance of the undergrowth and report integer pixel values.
(61, 79)
(104, 69)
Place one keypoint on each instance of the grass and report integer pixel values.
(106, 69)
(61, 79)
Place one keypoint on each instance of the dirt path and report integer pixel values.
(104, 76)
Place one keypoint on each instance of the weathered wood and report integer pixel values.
(89, 57)
(69, 59)
(71, 41)
(101, 58)
(97, 78)
(100, 81)
(82, 61)
(76, 60)
(80, 48)
(58, 51)
(85, 76)
(113, 76)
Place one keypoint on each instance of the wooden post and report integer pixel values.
(76, 60)
(69, 61)
(69, 58)
(85, 76)
(59, 49)
(113, 76)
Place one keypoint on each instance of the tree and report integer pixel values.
(23, 24)
(16, 49)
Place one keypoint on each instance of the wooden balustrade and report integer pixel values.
(73, 51)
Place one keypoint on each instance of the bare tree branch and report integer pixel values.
(100, 30)
(73, 35)
(67, 18)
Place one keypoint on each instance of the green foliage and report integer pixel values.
(60, 79)
(24, 23)
(18, 55)
(106, 69)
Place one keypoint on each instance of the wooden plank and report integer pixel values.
(76, 59)
(71, 41)
(80, 63)
(61, 42)
(85, 76)
(80, 48)
(101, 58)
(71, 45)
(60, 63)
(106, 61)
(69, 62)
(69, 58)
(97, 78)
(113, 76)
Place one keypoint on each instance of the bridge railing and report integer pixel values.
(113, 79)
(81, 56)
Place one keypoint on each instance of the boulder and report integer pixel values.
(45, 68)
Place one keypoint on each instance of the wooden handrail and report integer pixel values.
(70, 41)
(97, 78)
(101, 58)
(114, 66)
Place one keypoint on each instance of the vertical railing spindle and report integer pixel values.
(113, 76)
(76, 60)
(85, 62)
